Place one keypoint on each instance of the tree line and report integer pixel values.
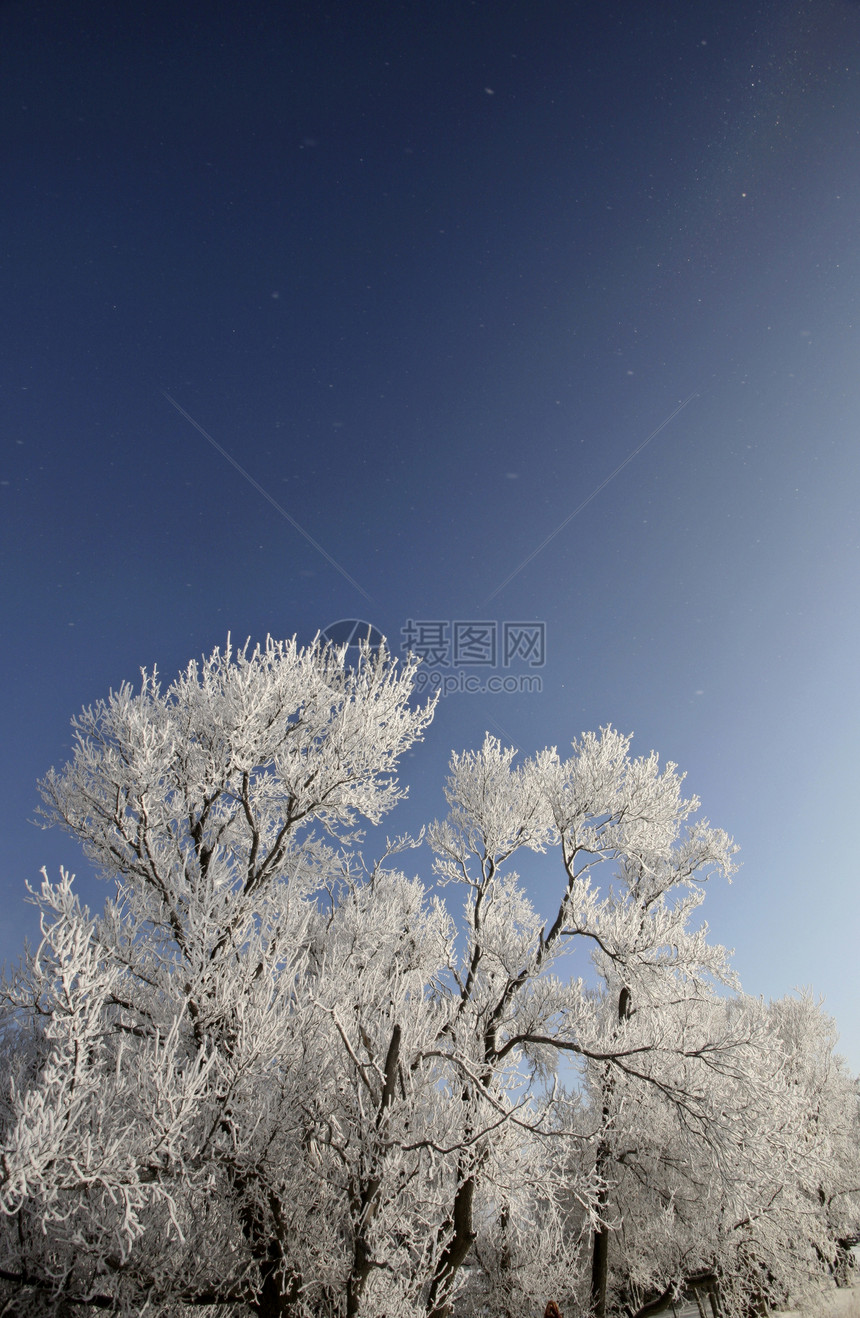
(272, 1078)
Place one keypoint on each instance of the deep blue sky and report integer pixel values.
(430, 272)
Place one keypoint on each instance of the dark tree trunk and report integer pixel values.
(271, 1302)
(279, 1285)
(600, 1240)
(599, 1263)
(367, 1199)
(277, 1294)
(454, 1255)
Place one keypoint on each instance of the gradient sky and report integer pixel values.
(429, 273)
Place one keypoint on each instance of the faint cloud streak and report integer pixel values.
(258, 487)
(593, 495)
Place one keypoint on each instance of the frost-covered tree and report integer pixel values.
(512, 1008)
(827, 1098)
(783, 1232)
(739, 1210)
(175, 1089)
(270, 1080)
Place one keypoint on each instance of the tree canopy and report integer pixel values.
(272, 1079)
